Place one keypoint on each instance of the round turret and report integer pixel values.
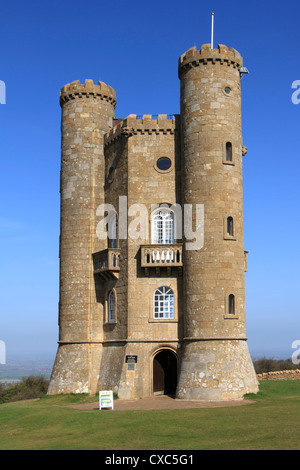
(212, 174)
(214, 295)
(87, 114)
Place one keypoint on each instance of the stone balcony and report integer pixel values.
(107, 263)
(162, 257)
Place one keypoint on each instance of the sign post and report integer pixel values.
(106, 399)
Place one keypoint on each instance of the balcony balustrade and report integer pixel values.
(162, 256)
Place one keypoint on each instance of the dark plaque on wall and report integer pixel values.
(131, 359)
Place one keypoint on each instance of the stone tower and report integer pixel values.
(216, 363)
(87, 114)
(149, 313)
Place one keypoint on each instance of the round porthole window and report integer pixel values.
(227, 90)
(164, 163)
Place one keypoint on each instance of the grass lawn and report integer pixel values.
(272, 422)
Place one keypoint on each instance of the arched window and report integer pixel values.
(228, 152)
(230, 230)
(164, 303)
(231, 304)
(111, 307)
(163, 227)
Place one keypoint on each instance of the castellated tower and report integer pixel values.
(216, 363)
(87, 114)
(144, 311)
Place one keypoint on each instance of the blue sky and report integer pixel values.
(134, 47)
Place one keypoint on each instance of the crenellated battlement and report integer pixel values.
(78, 90)
(222, 55)
(146, 124)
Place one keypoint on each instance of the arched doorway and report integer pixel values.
(164, 373)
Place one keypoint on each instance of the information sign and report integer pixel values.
(106, 399)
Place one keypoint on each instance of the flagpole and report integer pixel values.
(212, 31)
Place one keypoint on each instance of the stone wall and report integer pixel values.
(280, 375)
(132, 148)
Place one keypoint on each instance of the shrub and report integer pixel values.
(29, 387)
(271, 365)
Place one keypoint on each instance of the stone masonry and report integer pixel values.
(140, 313)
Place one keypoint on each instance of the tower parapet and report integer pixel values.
(221, 55)
(146, 124)
(78, 90)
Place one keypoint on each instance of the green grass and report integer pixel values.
(272, 422)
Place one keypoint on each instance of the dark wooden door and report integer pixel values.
(158, 377)
(164, 373)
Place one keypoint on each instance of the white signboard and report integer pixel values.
(106, 399)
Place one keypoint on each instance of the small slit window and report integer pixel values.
(111, 307)
(228, 152)
(111, 174)
(231, 304)
(230, 230)
(113, 232)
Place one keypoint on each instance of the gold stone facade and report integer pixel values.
(145, 315)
